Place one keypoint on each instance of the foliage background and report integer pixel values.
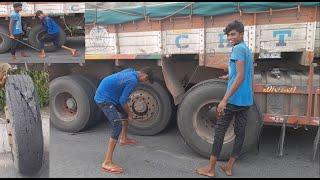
(41, 81)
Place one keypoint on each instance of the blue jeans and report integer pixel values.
(114, 113)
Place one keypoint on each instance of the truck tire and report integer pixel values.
(5, 42)
(196, 117)
(93, 83)
(71, 104)
(150, 103)
(36, 32)
(24, 125)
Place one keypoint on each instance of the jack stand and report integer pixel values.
(316, 145)
(281, 140)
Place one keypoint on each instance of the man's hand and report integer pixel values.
(225, 77)
(222, 105)
(130, 117)
(11, 36)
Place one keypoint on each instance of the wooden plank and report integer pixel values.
(191, 49)
(215, 37)
(291, 46)
(50, 8)
(139, 41)
(74, 7)
(139, 49)
(216, 47)
(138, 34)
(283, 26)
(99, 40)
(289, 34)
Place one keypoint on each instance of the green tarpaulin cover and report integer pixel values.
(107, 16)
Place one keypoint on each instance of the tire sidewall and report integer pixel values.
(196, 97)
(61, 85)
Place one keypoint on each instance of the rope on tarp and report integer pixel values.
(159, 19)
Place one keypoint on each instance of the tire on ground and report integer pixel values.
(33, 38)
(78, 89)
(158, 121)
(196, 97)
(5, 42)
(25, 123)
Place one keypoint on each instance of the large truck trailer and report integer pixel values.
(185, 45)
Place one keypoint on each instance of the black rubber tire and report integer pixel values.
(165, 110)
(83, 95)
(25, 123)
(5, 42)
(49, 47)
(93, 83)
(200, 94)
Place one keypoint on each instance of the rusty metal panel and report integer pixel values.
(99, 41)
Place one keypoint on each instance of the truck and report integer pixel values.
(184, 44)
(68, 15)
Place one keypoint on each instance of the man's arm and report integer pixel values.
(10, 28)
(124, 98)
(238, 80)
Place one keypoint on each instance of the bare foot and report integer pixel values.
(206, 171)
(74, 53)
(23, 54)
(226, 170)
(13, 58)
(128, 141)
(42, 55)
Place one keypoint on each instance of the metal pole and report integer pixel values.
(22, 42)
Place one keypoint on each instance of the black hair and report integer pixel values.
(17, 4)
(38, 13)
(148, 71)
(234, 25)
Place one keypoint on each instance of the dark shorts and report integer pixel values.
(114, 113)
(50, 38)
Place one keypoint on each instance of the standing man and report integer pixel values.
(52, 33)
(112, 96)
(15, 29)
(236, 101)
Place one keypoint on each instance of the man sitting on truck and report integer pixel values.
(15, 30)
(236, 101)
(112, 96)
(52, 33)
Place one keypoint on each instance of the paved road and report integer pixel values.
(7, 169)
(59, 56)
(166, 155)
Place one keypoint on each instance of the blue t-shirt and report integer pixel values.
(243, 96)
(49, 25)
(16, 26)
(117, 87)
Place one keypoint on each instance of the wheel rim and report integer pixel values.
(66, 106)
(145, 107)
(204, 120)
